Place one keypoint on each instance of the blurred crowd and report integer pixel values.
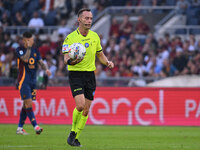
(131, 46)
(50, 52)
(40, 13)
(136, 52)
(36, 13)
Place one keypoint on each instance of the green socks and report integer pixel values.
(80, 125)
(76, 117)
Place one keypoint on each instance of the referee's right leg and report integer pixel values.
(75, 80)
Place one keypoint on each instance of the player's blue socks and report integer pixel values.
(31, 116)
(22, 118)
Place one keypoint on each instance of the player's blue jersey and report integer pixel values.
(27, 71)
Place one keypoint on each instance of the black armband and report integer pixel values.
(99, 50)
(69, 62)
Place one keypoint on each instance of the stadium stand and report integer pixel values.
(137, 53)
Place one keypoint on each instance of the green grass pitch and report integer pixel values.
(102, 138)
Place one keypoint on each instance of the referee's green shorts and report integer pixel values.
(82, 82)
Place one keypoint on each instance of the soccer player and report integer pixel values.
(28, 59)
(81, 71)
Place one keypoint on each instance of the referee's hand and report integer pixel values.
(110, 64)
(76, 61)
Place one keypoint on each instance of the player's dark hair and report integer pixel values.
(27, 34)
(82, 10)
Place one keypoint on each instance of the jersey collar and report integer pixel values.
(77, 30)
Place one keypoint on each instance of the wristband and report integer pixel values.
(69, 62)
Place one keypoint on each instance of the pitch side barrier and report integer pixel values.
(111, 106)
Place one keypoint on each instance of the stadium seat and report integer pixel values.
(50, 18)
(191, 13)
(18, 6)
(33, 5)
(195, 31)
(158, 11)
(197, 10)
(192, 21)
(180, 31)
(170, 2)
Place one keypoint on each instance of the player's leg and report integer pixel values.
(89, 90)
(22, 119)
(37, 128)
(82, 122)
(24, 93)
(31, 115)
(29, 111)
(80, 103)
(76, 85)
(27, 93)
(84, 117)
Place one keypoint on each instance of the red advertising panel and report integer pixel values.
(111, 106)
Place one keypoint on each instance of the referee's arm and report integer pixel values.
(69, 61)
(66, 58)
(103, 59)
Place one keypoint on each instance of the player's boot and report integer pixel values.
(71, 138)
(21, 131)
(38, 129)
(77, 143)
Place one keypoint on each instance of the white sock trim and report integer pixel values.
(36, 127)
(19, 128)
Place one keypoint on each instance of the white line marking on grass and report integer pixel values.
(12, 146)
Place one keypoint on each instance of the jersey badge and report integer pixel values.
(65, 48)
(21, 52)
(86, 45)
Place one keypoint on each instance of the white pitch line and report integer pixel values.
(13, 146)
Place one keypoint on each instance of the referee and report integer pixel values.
(81, 71)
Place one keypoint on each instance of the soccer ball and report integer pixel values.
(77, 50)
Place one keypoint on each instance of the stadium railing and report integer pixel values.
(107, 81)
(18, 30)
(181, 29)
(7, 81)
(124, 9)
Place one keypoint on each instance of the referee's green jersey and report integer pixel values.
(92, 45)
